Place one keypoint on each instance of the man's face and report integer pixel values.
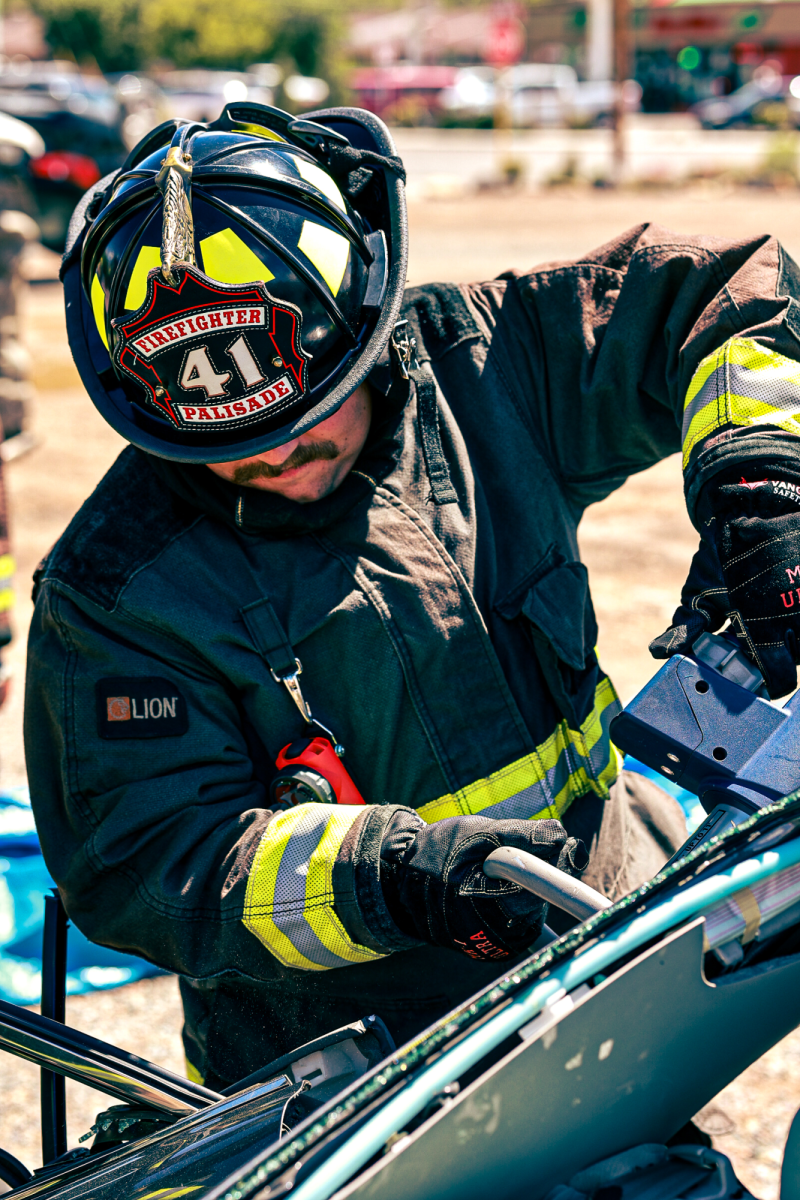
(310, 466)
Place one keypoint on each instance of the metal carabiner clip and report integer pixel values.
(404, 347)
(292, 684)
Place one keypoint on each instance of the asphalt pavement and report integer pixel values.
(660, 149)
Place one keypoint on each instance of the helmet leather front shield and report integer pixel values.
(206, 353)
(288, 305)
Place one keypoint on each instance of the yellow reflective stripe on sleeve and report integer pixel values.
(743, 383)
(192, 1073)
(7, 569)
(544, 784)
(288, 903)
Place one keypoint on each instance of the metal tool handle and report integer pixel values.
(546, 882)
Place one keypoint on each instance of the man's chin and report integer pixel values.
(295, 487)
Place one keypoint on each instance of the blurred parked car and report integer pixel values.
(542, 94)
(142, 102)
(535, 94)
(20, 144)
(472, 94)
(404, 93)
(79, 120)
(766, 99)
(305, 91)
(200, 95)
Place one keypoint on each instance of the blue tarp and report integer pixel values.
(694, 810)
(24, 883)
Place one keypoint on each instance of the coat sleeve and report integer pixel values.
(654, 343)
(159, 835)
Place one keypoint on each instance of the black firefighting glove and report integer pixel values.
(703, 607)
(758, 540)
(435, 889)
(745, 570)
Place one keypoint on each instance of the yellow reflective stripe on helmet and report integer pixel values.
(99, 308)
(257, 131)
(327, 250)
(148, 258)
(743, 383)
(544, 784)
(321, 180)
(228, 259)
(288, 903)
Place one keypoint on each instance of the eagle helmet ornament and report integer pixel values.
(236, 281)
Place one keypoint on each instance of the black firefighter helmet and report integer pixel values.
(235, 282)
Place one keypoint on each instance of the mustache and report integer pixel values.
(313, 452)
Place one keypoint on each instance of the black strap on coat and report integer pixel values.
(272, 643)
(269, 637)
(442, 490)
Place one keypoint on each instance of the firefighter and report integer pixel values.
(349, 514)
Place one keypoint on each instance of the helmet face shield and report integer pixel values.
(278, 301)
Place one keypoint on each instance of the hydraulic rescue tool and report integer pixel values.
(703, 723)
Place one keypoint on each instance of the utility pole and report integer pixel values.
(621, 73)
(600, 40)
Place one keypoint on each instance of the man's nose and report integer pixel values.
(279, 454)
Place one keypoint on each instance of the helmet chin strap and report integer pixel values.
(174, 181)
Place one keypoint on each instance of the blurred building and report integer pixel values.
(682, 52)
(429, 34)
(22, 33)
(689, 52)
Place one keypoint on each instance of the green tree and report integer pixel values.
(105, 32)
(306, 36)
(231, 33)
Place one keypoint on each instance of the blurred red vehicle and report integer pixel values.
(406, 93)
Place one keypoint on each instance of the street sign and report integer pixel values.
(505, 42)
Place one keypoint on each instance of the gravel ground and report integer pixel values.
(637, 544)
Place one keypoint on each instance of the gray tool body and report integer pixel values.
(704, 722)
